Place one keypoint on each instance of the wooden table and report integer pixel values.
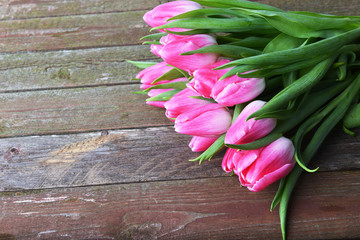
(82, 157)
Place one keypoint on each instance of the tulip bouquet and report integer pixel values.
(254, 80)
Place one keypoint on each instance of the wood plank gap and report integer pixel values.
(73, 49)
(80, 132)
(37, 190)
(70, 87)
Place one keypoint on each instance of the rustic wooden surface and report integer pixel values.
(82, 157)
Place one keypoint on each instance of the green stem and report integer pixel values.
(319, 136)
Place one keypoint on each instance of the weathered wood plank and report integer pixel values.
(76, 109)
(15, 9)
(70, 32)
(193, 209)
(54, 69)
(108, 29)
(123, 156)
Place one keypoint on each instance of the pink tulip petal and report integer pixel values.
(245, 131)
(200, 144)
(270, 178)
(208, 121)
(160, 14)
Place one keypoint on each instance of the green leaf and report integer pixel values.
(139, 92)
(152, 42)
(226, 51)
(154, 36)
(325, 46)
(171, 85)
(278, 194)
(249, 42)
(344, 59)
(283, 42)
(140, 64)
(352, 118)
(220, 24)
(305, 26)
(237, 110)
(170, 75)
(295, 89)
(257, 143)
(349, 132)
(236, 3)
(235, 70)
(163, 96)
(205, 12)
(204, 98)
(215, 148)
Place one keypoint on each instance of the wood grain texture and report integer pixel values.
(123, 156)
(106, 29)
(20, 9)
(70, 32)
(134, 155)
(70, 68)
(216, 208)
(76, 109)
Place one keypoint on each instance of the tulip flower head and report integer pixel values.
(183, 102)
(234, 90)
(148, 75)
(174, 45)
(205, 78)
(260, 167)
(244, 131)
(160, 14)
(210, 120)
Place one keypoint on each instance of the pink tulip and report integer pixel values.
(160, 14)
(200, 144)
(242, 131)
(234, 90)
(155, 48)
(259, 168)
(230, 160)
(205, 78)
(179, 44)
(148, 75)
(155, 92)
(182, 102)
(210, 120)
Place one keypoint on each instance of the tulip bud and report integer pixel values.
(174, 45)
(234, 90)
(200, 144)
(260, 167)
(205, 78)
(182, 102)
(210, 120)
(148, 75)
(160, 14)
(244, 131)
